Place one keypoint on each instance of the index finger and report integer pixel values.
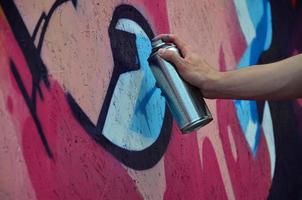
(183, 47)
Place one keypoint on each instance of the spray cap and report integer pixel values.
(157, 42)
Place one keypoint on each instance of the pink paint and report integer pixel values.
(82, 169)
(14, 53)
(246, 171)
(213, 185)
(186, 178)
(238, 43)
(9, 104)
(183, 167)
(157, 13)
(221, 61)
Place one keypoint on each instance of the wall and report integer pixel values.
(81, 118)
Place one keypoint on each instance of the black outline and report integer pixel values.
(138, 160)
(34, 62)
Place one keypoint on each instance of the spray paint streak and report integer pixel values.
(144, 104)
(255, 22)
(74, 153)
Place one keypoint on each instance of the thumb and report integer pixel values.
(172, 57)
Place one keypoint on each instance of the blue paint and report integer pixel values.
(260, 14)
(150, 106)
(269, 31)
(137, 109)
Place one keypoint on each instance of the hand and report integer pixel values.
(190, 66)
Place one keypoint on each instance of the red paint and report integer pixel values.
(82, 169)
(248, 173)
(237, 40)
(213, 185)
(9, 104)
(183, 167)
(222, 63)
(156, 13)
(185, 177)
(14, 53)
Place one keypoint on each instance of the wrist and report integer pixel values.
(212, 87)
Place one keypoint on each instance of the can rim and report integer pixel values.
(195, 125)
(166, 46)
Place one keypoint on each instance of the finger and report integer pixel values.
(172, 57)
(181, 45)
(164, 37)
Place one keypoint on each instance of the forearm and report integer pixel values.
(275, 81)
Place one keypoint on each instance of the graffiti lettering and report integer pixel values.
(136, 130)
(81, 116)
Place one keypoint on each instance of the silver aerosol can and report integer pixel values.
(185, 101)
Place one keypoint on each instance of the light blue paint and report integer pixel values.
(136, 112)
(245, 21)
(256, 10)
(260, 16)
(150, 105)
(269, 31)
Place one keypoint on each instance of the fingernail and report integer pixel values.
(161, 52)
(166, 38)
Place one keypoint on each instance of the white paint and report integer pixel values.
(232, 144)
(220, 157)
(250, 134)
(116, 127)
(245, 21)
(130, 26)
(132, 122)
(151, 183)
(267, 125)
(122, 110)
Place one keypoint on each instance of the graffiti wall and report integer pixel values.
(81, 117)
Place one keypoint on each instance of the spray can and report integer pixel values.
(185, 101)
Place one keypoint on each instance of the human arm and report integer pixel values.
(274, 81)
